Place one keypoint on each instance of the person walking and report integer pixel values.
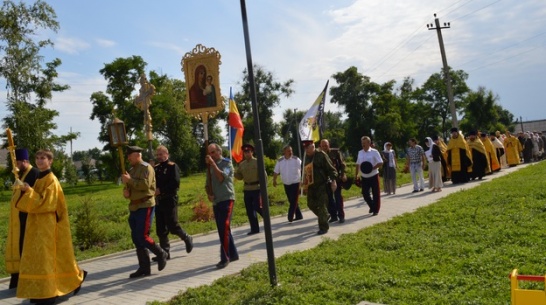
(48, 266)
(248, 172)
(459, 158)
(167, 174)
(289, 168)
(18, 219)
(335, 198)
(139, 188)
(368, 163)
(319, 173)
(220, 191)
(416, 161)
(434, 156)
(389, 170)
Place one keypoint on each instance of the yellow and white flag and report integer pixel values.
(312, 123)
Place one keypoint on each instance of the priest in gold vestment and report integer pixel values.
(48, 266)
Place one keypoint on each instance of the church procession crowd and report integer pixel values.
(39, 253)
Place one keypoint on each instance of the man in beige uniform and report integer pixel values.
(140, 189)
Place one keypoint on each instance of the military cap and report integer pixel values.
(366, 167)
(21, 154)
(306, 143)
(247, 147)
(132, 149)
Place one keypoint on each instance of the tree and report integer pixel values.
(172, 125)
(354, 92)
(268, 94)
(434, 93)
(122, 76)
(289, 129)
(26, 77)
(334, 129)
(482, 112)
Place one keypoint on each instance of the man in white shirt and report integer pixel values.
(289, 167)
(367, 164)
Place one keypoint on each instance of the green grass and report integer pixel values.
(459, 250)
(111, 207)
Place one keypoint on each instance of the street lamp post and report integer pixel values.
(118, 138)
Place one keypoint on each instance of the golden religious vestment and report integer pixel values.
(48, 267)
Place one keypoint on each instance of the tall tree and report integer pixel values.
(354, 92)
(482, 112)
(289, 129)
(26, 76)
(268, 92)
(434, 93)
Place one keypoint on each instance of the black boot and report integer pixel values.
(188, 240)
(165, 245)
(143, 264)
(161, 256)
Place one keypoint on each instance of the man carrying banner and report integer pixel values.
(319, 173)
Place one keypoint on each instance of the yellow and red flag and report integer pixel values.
(236, 130)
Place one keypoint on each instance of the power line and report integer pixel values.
(475, 11)
(504, 48)
(506, 58)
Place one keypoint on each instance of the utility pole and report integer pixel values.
(447, 76)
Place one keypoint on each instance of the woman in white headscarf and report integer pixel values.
(434, 156)
(389, 169)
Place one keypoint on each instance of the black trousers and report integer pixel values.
(253, 205)
(292, 192)
(373, 201)
(335, 202)
(166, 220)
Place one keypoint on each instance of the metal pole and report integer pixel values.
(298, 134)
(447, 75)
(259, 152)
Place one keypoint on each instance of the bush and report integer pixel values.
(88, 229)
(202, 212)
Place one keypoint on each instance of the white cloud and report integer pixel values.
(105, 43)
(71, 45)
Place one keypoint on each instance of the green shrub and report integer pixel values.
(89, 231)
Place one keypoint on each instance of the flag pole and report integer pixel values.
(259, 153)
(229, 129)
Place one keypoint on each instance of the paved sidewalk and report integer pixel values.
(108, 280)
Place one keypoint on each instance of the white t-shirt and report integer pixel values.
(372, 156)
(289, 169)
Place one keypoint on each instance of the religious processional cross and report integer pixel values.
(143, 102)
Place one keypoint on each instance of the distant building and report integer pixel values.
(537, 125)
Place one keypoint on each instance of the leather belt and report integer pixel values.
(252, 183)
(141, 200)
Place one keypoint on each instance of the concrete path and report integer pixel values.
(108, 280)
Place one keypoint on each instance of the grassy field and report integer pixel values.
(459, 250)
(110, 209)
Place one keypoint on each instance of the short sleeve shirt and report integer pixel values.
(289, 169)
(373, 156)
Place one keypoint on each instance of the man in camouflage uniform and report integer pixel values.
(248, 172)
(319, 173)
(335, 199)
(167, 176)
(140, 189)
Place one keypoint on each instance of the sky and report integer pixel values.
(501, 44)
